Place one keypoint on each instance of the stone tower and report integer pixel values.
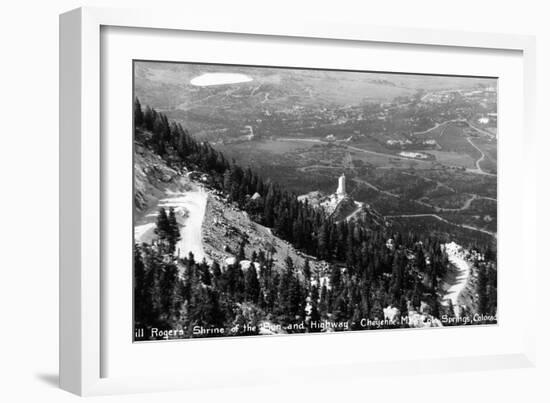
(341, 191)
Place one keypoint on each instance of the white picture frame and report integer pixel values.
(83, 342)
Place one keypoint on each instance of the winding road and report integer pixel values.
(478, 169)
(459, 277)
(355, 212)
(465, 226)
(190, 207)
(317, 166)
(439, 184)
(431, 128)
(465, 206)
(478, 166)
(364, 182)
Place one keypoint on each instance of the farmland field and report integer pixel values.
(489, 148)
(454, 158)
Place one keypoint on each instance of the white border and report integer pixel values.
(120, 45)
(80, 205)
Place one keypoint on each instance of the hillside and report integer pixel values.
(152, 180)
(227, 227)
(210, 226)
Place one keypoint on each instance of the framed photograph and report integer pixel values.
(246, 203)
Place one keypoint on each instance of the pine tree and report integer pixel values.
(323, 300)
(172, 230)
(138, 113)
(206, 276)
(216, 270)
(434, 306)
(241, 255)
(286, 289)
(307, 271)
(191, 259)
(397, 277)
(403, 306)
(163, 230)
(482, 290)
(323, 242)
(205, 309)
(491, 291)
(151, 295)
(416, 296)
(335, 279)
(252, 285)
(227, 181)
(296, 300)
(169, 294)
(314, 315)
(140, 306)
(420, 260)
(149, 118)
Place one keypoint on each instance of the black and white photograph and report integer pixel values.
(308, 201)
(277, 201)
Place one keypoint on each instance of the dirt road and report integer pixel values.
(458, 278)
(493, 234)
(189, 207)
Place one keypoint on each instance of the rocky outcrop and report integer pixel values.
(341, 206)
(226, 228)
(152, 179)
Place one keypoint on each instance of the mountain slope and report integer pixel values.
(210, 227)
